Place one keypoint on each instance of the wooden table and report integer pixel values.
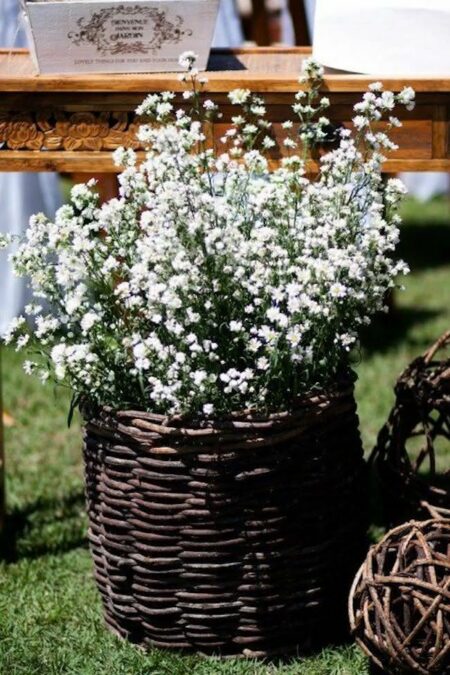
(71, 123)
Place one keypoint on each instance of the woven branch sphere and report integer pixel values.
(399, 604)
(406, 458)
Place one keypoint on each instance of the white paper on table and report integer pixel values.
(384, 37)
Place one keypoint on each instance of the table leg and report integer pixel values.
(298, 13)
(260, 33)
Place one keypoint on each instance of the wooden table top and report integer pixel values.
(74, 122)
(268, 70)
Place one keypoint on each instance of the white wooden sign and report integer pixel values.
(107, 36)
(384, 37)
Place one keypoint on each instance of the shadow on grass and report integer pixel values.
(388, 330)
(48, 525)
(425, 246)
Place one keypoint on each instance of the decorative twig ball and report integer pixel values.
(400, 600)
(415, 437)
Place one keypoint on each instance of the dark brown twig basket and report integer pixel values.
(400, 600)
(238, 536)
(421, 414)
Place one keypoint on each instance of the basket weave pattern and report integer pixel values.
(421, 412)
(239, 536)
(400, 600)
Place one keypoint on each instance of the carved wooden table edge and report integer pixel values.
(74, 122)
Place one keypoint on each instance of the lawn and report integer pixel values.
(50, 616)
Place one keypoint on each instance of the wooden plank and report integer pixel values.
(280, 103)
(263, 69)
(278, 108)
(64, 161)
(440, 132)
(101, 162)
(30, 122)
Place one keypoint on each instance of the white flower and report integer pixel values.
(394, 121)
(199, 376)
(360, 122)
(14, 329)
(58, 352)
(407, 97)
(276, 316)
(338, 290)
(268, 143)
(163, 109)
(80, 193)
(140, 354)
(347, 340)
(73, 304)
(396, 186)
(262, 363)
(388, 99)
(88, 320)
(123, 157)
(208, 409)
(289, 143)
(254, 345)
(187, 59)
(148, 104)
(29, 367)
(311, 69)
(33, 309)
(43, 375)
(239, 96)
(258, 110)
(250, 129)
(5, 240)
(22, 341)
(294, 336)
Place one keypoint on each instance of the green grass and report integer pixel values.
(50, 615)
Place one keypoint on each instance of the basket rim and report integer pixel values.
(314, 402)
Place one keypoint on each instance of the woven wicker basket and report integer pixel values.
(233, 537)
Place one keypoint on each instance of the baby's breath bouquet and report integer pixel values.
(213, 283)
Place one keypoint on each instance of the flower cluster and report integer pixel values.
(5, 240)
(213, 283)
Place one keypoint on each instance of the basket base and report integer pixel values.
(339, 634)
